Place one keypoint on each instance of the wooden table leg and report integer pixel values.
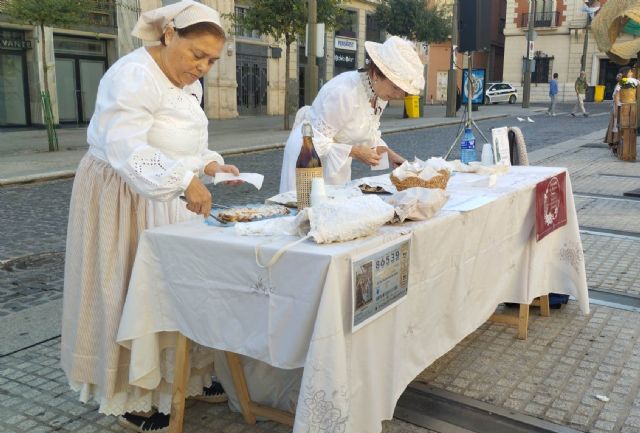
(179, 384)
(250, 408)
(242, 390)
(544, 306)
(523, 321)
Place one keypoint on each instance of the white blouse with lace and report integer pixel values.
(341, 116)
(151, 132)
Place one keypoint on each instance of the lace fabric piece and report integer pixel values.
(345, 220)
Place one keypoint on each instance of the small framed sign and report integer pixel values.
(500, 145)
(551, 205)
(379, 281)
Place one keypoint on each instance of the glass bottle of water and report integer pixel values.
(468, 147)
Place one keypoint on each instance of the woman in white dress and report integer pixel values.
(345, 115)
(148, 145)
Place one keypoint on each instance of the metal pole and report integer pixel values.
(583, 59)
(452, 81)
(526, 88)
(311, 56)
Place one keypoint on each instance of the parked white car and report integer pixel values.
(500, 92)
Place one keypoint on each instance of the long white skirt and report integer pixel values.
(106, 218)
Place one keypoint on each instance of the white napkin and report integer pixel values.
(254, 179)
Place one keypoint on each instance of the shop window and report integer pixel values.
(241, 31)
(373, 30)
(541, 68)
(347, 25)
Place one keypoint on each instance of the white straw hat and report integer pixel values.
(151, 24)
(398, 61)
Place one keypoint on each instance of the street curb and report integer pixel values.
(38, 177)
(18, 180)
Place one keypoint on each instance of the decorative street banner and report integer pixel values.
(551, 205)
(379, 281)
(477, 86)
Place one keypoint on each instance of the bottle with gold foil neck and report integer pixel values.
(308, 166)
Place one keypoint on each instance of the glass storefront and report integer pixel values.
(14, 101)
(80, 64)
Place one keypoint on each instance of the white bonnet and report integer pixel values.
(398, 60)
(151, 24)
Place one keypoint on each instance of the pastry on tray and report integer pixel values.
(369, 189)
(252, 213)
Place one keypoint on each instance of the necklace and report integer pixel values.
(371, 94)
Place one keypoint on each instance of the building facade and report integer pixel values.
(249, 79)
(439, 54)
(560, 27)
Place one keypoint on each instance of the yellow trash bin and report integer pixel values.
(598, 95)
(412, 105)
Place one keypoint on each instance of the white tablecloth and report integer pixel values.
(204, 282)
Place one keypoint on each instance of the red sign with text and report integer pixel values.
(551, 205)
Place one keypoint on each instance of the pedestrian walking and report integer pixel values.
(581, 90)
(553, 92)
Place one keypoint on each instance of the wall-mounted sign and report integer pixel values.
(346, 44)
(13, 44)
(345, 59)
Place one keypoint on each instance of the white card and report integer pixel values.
(254, 179)
(500, 144)
(383, 164)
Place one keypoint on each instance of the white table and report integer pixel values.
(298, 315)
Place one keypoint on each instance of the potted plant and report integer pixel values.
(628, 90)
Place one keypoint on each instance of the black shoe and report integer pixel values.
(156, 423)
(573, 114)
(213, 394)
(585, 114)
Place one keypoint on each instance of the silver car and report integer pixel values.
(500, 92)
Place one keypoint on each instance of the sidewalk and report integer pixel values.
(24, 156)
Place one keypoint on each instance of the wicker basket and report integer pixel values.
(303, 185)
(628, 96)
(439, 181)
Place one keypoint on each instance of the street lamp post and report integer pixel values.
(583, 59)
(452, 81)
(312, 66)
(526, 88)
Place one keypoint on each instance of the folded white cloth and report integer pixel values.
(417, 204)
(344, 220)
(268, 227)
(422, 169)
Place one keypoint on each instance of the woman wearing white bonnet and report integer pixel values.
(345, 115)
(148, 145)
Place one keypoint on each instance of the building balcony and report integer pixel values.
(541, 19)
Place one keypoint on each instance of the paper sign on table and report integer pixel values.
(551, 205)
(500, 144)
(379, 281)
(254, 179)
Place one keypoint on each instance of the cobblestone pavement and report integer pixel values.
(619, 272)
(35, 398)
(556, 374)
(609, 214)
(33, 280)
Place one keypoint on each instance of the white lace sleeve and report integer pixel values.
(125, 108)
(331, 112)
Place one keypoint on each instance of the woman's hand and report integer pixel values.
(198, 197)
(394, 159)
(365, 154)
(213, 167)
